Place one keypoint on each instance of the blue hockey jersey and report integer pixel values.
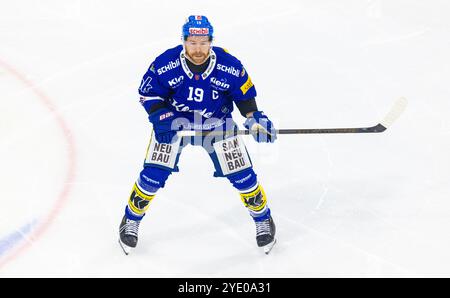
(199, 97)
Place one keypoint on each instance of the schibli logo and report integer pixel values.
(220, 84)
(175, 81)
(229, 69)
(169, 66)
(198, 31)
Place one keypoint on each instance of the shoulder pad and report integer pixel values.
(224, 56)
(168, 60)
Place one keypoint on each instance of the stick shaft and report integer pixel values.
(396, 110)
(374, 129)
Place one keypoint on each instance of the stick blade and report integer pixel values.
(395, 112)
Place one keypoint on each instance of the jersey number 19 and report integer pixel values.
(198, 92)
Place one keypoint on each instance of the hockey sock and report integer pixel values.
(139, 201)
(255, 200)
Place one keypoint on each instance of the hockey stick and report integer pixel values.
(395, 112)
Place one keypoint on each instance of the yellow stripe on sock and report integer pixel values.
(136, 192)
(246, 197)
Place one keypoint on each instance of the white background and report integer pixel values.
(344, 205)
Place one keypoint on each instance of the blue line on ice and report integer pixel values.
(10, 241)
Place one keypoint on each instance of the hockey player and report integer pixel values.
(193, 87)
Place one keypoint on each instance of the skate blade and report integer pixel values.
(126, 249)
(267, 248)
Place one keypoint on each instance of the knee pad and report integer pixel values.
(152, 178)
(243, 180)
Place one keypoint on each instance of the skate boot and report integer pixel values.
(128, 234)
(265, 234)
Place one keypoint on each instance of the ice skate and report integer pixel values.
(128, 234)
(265, 234)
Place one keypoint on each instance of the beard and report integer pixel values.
(198, 57)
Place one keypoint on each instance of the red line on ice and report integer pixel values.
(70, 174)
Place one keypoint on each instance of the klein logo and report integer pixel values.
(175, 81)
(198, 31)
(222, 85)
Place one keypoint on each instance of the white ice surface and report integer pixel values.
(344, 205)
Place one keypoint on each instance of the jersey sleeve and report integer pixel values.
(152, 92)
(243, 88)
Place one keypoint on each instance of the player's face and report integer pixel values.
(197, 48)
